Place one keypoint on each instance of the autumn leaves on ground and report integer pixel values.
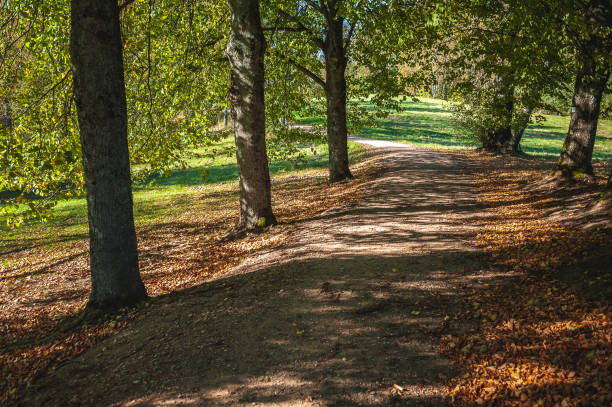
(528, 322)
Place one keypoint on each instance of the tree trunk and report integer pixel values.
(245, 51)
(335, 95)
(517, 135)
(434, 90)
(577, 149)
(444, 91)
(99, 89)
(7, 125)
(498, 139)
(7, 116)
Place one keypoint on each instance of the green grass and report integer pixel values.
(428, 123)
(546, 139)
(161, 198)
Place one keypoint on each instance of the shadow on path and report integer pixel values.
(346, 313)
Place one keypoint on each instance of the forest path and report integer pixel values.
(348, 313)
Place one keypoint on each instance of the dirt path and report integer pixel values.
(344, 315)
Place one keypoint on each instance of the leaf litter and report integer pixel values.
(539, 340)
(42, 285)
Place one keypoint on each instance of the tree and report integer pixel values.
(501, 64)
(325, 38)
(588, 26)
(245, 51)
(174, 89)
(324, 28)
(99, 88)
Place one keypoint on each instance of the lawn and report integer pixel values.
(161, 197)
(428, 123)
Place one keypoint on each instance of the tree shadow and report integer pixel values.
(347, 317)
(315, 332)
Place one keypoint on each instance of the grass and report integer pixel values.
(428, 123)
(162, 197)
(44, 268)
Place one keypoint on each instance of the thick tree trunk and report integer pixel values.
(577, 149)
(517, 135)
(99, 90)
(335, 95)
(245, 51)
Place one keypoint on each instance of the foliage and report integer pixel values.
(287, 144)
(41, 156)
(175, 85)
(375, 39)
(497, 59)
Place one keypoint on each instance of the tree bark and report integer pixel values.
(335, 95)
(7, 124)
(245, 51)
(498, 140)
(517, 135)
(577, 151)
(593, 47)
(97, 63)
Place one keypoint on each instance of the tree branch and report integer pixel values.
(125, 4)
(349, 37)
(318, 41)
(316, 6)
(292, 29)
(301, 68)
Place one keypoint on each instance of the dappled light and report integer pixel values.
(320, 203)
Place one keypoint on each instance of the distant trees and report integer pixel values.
(99, 89)
(500, 65)
(506, 56)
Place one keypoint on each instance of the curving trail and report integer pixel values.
(346, 314)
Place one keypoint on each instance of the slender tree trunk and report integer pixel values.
(434, 90)
(7, 124)
(99, 89)
(517, 135)
(245, 51)
(498, 140)
(577, 149)
(7, 116)
(335, 95)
